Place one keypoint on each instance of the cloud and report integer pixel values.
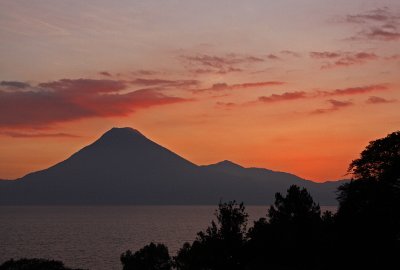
(67, 100)
(354, 90)
(324, 55)
(37, 135)
(145, 72)
(157, 82)
(377, 15)
(394, 57)
(226, 105)
(381, 34)
(283, 97)
(225, 86)
(84, 86)
(105, 73)
(343, 59)
(335, 106)
(204, 63)
(273, 57)
(295, 95)
(379, 100)
(14, 84)
(378, 24)
(290, 53)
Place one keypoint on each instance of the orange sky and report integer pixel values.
(297, 86)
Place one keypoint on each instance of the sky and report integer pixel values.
(299, 86)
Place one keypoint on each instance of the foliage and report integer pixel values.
(368, 219)
(372, 198)
(220, 246)
(293, 226)
(380, 161)
(150, 257)
(297, 208)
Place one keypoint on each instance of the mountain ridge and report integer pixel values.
(125, 167)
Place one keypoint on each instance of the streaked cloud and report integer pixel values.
(379, 100)
(224, 86)
(354, 90)
(228, 63)
(335, 105)
(105, 73)
(37, 135)
(342, 59)
(378, 24)
(290, 53)
(283, 97)
(163, 82)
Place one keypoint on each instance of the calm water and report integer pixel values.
(95, 236)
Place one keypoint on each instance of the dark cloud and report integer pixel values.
(379, 100)
(14, 84)
(105, 73)
(67, 100)
(84, 86)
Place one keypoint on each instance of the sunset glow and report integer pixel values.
(209, 80)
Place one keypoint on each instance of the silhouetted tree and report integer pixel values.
(221, 245)
(150, 257)
(369, 205)
(285, 240)
(33, 264)
(297, 208)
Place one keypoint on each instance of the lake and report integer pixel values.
(93, 237)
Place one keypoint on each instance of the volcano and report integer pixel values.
(125, 167)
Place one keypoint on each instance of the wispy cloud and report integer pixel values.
(273, 57)
(394, 57)
(295, 95)
(290, 53)
(204, 63)
(354, 90)
(283, 97)
(226, 105)
(379, 100)
(105, 73)
(224, 86)
(37, 135)
(378, 24)
(163, 82)
(343, 59)
(335, 105)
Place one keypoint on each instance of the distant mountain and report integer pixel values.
(125, 167)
